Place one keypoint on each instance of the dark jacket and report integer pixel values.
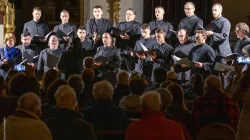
(39, 28)
(155, 24)
(105, 115)
(69, 125)
(241, 44)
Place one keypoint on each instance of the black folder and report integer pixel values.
(180, 54)
(102, 59)
(51, 60)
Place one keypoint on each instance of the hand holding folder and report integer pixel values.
(51, 60)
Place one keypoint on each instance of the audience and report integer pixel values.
(214, 106)
(76, 82)
(86, 98)
(160, 76)
(104, 114)
(153, 125)
(121, 88)
(67, 123)
(25, 123)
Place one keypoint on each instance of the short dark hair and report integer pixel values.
(160, 30)
(160, 75)
(182, 29)
(133, 10)
(160, 7)
(37, 9)
(76, 82)
(191, 3)
(97, 7)
(81, 28)
(203, 32)
(137, 85)
(145, 26)
(25, 34)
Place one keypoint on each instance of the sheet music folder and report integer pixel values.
(51, 60)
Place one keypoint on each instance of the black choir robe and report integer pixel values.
(183, 74)
(219, 41)
(32, 49)
(155, 24)
(241, 43)
(66, 28)
(42, 61)
(164, 59)
(144, 66)
(205, 54)
(98, 26)
(112, 53)
(191, 24)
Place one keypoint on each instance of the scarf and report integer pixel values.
(10, 52)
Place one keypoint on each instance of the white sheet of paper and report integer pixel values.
(1, 34)
(175, 58)
(143, 47)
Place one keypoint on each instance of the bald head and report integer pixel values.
(213, 83)
(66, 97)
(151, 101)
(30, 102)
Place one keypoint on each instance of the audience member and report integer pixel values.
(67, 123)
(76, 82)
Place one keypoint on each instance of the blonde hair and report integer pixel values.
(103, 90)
(123, 77)
(151, 100)
(9, 36)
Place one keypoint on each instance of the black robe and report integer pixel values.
(144, 66)
(88, 47)
(241, 44)
(219, 41)
(191, 24)
(124, 45)
(155, 24)
(183, 74)
(164, 59)
(103, 25)
(204, 54)
(66, 28)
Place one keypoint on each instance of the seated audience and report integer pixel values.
(25, 123)
(121, 88)
(104, 114)
(172, 76)
(160, 76)
(137, 85)
(214, 106)
(153, 125)
(194, 87)
(76, 82)
(67, 123)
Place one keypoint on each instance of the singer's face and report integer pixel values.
(182, 36)
(159, 13)
(200, 38)
(216, 10)
(106, 39)
(26, 40)
(159, 37)
(53, 42)
(64, 17)
(36, 15)
(145, 33)
(130, 16)
(81, 34)
(97, 12)
(10, 42)
(189, 10)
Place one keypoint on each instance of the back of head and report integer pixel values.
(166, 98)
(151, 101)
(76, 82)
(171, 75)
(145, 26)
(243, 27)
(21, 84)
(66, 97)
(52, 90)
(30, 102)
(11, 73)
(123, 77)
(48, 77)
(103, 90)
(137, 85)
(88, 74)
(213, 83)
(160, 75)
(88, 62)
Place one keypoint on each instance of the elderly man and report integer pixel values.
(67, 123)
(191, 22)
(25, 124)
(105, 114)
(153, 125)
(219, 107)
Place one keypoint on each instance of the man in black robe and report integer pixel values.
(27, 47)
(65, 30)
(160, 23)
(218, 32)
(161, 57)
(185, 46)
(42, 65)
(126, 40)
(241, 30)
(202, 56)
(97, 26)
(107, 57)
(143, 64)
(191, 22)
(37, 27)
(87, 45)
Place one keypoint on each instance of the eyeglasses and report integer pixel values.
(181, 35)
(188, 9)
(129, 14)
